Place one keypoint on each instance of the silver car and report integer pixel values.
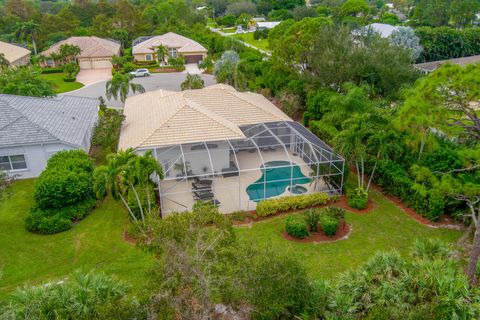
(140, 73)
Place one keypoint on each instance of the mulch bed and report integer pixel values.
(342, 233)
(444, 222)
(129, 238)
(342, 203)
(165, 70)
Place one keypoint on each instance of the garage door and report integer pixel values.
(193, 58)
(101, 64)
(85, 64)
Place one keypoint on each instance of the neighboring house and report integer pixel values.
(266, 25)
(96, 53)
(176, 45)
(33, 129)
(428, 67)
(226, 138)
(384, 29)
(17, 56)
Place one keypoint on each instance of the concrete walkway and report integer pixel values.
(192, 68)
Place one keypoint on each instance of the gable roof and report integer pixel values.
(268, 24)
(32, 120)
(12, 52)
(170, 40)
(161, 118)
(91, 47)
(384, 29)
(433, 65)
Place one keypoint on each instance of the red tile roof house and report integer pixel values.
(176, 45)
(96, 53)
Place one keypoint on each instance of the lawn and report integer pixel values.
(228, 30)
(94, 243)
(386, 227)
(248, 38)
(60, 85)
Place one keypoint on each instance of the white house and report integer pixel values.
(262, 25)
(384, 29)
(33, 129)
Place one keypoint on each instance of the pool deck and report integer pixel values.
(231, 191)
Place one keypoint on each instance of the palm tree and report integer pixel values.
(161, 52)
(121, 85)
(69, 52)
(127, 172)
(110, 177)
(192, 81)
(27, 31)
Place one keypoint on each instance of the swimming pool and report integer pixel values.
(269, 186)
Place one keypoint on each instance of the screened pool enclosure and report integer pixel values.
(275, 159)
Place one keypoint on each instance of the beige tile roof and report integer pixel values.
(12, 52)
(170, 40)
(161, 118)
(433, 65)
(92, 47)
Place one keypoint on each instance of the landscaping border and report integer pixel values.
(343, 233)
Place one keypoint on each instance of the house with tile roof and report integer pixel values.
(33, 129)
(427, 67)
(232, 148)
(16, 55)
(96, 53)
(176, 45)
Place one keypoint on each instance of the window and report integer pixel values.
(172, 52)
(14, 162)
(148, 57)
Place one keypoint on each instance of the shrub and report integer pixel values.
(329, 224)
(296, 226)
(334, 212)
(63, 193)
(312, 217)
(271, 206)
(57, 188)
(52, 70)
(357, 199)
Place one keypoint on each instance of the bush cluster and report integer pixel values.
(63, 193)
(52, 70)
(271, 206)
(296, 226)
(395, 181)
(329, 224)
(357, 198)
(328, 218)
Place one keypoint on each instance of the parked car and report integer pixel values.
(140, 73)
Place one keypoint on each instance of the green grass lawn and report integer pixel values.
(60, 85)
(385, 228)
(94, 243)
(248, 38)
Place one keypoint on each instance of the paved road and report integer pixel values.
(167, 81)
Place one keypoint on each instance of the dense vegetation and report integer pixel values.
(63, 193)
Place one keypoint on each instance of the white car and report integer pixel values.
(140, 73)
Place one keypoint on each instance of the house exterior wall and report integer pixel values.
(36, 157)
(142, 56)
(22, 61)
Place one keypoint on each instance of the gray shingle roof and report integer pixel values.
(32, 120)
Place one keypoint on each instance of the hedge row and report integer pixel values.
(52, 70)
(63, 193)
(271, 206)
(394, 181)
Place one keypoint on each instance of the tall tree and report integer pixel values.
(28, 31)
(449, 99)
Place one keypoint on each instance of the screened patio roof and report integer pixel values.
(281, 136)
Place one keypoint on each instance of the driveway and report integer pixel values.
(166, 81)
(90, 76)
(192, 68)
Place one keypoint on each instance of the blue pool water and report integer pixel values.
(268, 186)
